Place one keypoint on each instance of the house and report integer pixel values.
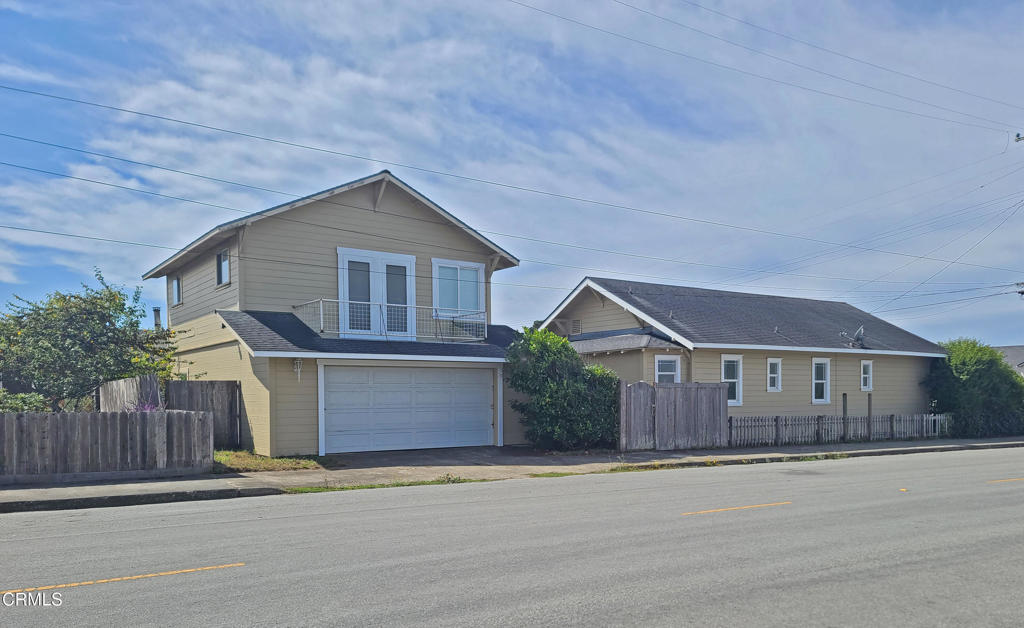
(356, 319)
(779, 355)
(1014, 356)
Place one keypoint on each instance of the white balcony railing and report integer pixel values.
(385, 321)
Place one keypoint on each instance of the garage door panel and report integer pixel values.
(381, 408)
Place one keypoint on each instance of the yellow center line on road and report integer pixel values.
(1006, 480)
(704, 512)
(121, 579)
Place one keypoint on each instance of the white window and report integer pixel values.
(458, 288)
(732, 374)
(223, 267)
(774, 383)
(176, 290)
(867, 375)
(666, 369)
(377, 294)
(821, 378)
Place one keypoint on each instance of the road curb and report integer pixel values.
(107, 501)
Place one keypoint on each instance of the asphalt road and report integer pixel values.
(850, 548)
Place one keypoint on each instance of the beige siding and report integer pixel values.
(294, 402)
(200, 293)
(207, 351)
(308, 237)
(629, 366)
(597, 313)
(897, 388)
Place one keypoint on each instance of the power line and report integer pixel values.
(850, 57)
(284, 219)
(805, 67)
(723, 66)
(912, 307)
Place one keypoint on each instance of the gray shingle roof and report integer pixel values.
(283, 331)
(621, 340)
(736, 318)
(1014, 355)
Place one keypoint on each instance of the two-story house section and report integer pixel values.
(356, 319)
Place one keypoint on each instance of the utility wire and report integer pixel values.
(912, 307)
(807, 67)
(723, 66)
(850, 57)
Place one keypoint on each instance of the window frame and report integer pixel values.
(739, 377)
(678, 375)
(768, 375)
(223, 256)
(827, 381)
(176, 291)
(378, 261)
(444, 312)
(871, 375)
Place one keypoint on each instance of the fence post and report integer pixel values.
(623, 413)
(892, 427)
(730, 444)
(819, 429)
(778, 431)
(870, 420)
(846, 421)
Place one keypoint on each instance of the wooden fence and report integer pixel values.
(134, 394)
(59, 447)
(222, 398)
(672, 416)
(763, 431)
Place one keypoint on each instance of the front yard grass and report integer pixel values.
(447, 478)
(232, 461)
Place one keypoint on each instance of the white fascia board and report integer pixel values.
(587, 283)
(371, 356)
(719, 345)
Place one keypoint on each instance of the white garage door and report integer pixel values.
(373, 408)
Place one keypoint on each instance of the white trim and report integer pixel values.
(871, 375)
(668, 358)
(370, 356)
(587, 283)
(501, 406)
(318, 196)
(720, 345)
(479, 267)
(378, 262)
(768, 375)
(321, 408)
(828, 381)
(739, 377)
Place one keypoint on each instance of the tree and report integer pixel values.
(569, 404)
(975, 384)
(64, 346)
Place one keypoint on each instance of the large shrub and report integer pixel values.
(22, 402)
(569, 404)
(975, 384)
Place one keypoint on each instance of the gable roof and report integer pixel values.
(220, 230)
(282, 334)
(702, 318)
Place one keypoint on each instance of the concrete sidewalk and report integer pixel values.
(476, 463)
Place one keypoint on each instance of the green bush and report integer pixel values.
(981, 391)
(22, 402)
(569, 405)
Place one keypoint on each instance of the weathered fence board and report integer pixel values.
(47, 447)
(130, 395)
(672, 416)
(221, 398)
(761, 431)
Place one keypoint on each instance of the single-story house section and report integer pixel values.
(779, 355)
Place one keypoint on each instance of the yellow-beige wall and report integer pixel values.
(597, 313)
(897, 385)
(200, 294)
(638, 364)
(209, 351)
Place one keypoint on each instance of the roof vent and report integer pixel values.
(577, 327)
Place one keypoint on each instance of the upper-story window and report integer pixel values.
(377, 293)
(458, 287)
(176, 290)
(223, 267)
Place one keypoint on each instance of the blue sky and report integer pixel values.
(499, 91)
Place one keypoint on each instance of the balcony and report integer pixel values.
(384, 321)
